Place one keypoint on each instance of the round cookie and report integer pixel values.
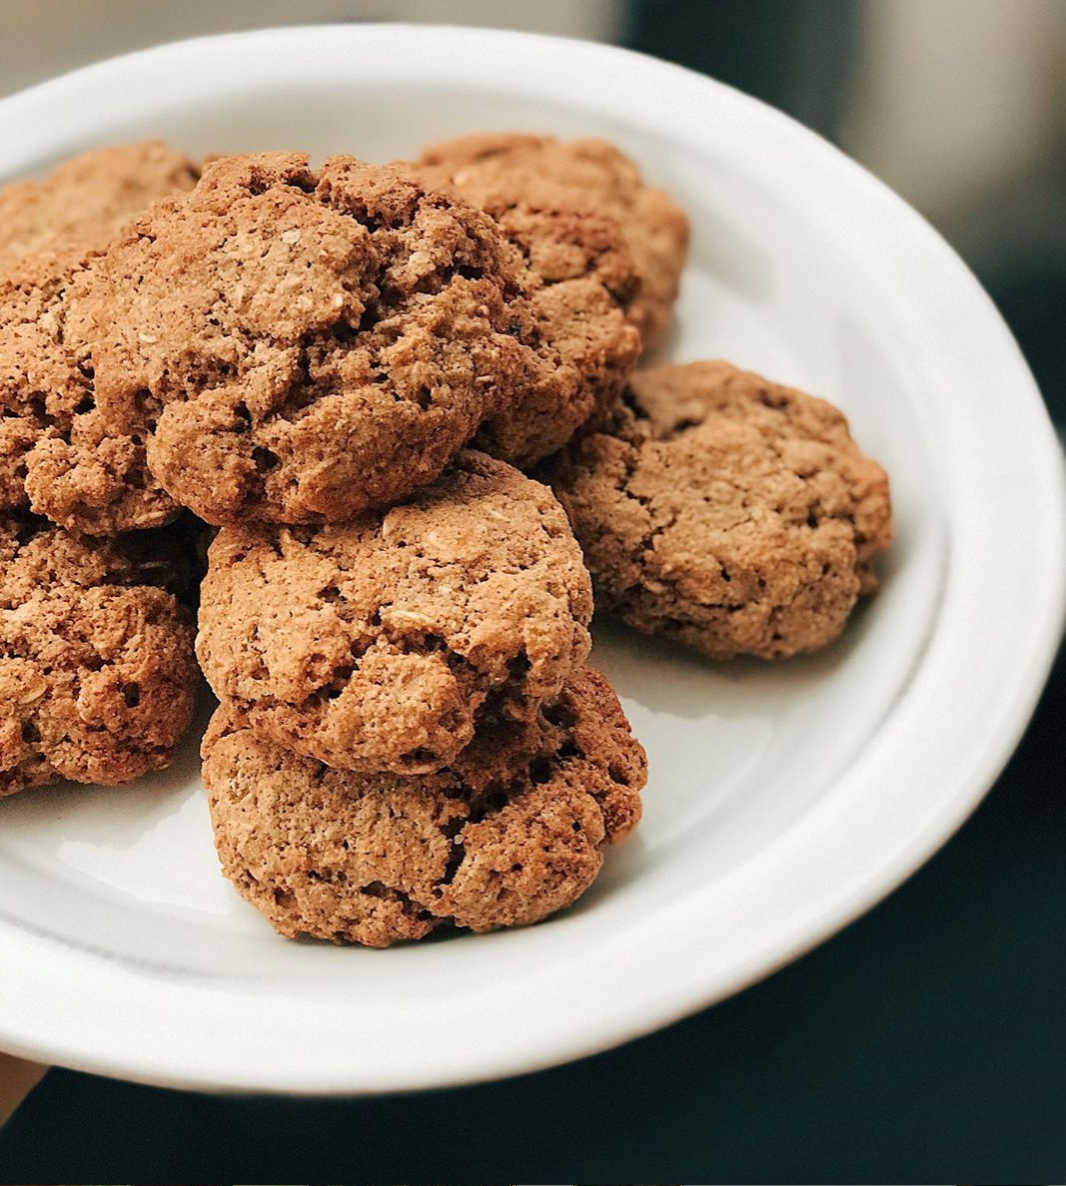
(56, 454)
(726, 512)
(297, 346)
(510, 833)
(494, 168)
(88, 200)
(377, 644)
(577, 285)
(97, 672)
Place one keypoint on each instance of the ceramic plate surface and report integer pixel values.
(783, 800)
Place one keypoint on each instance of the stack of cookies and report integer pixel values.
(97, 672)
(404, 399)
(409, 733)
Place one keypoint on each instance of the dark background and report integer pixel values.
(925, 1043)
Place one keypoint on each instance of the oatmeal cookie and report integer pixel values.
(496, 169)
(297, 346)
(375, 645)
(88, 200)
(510, 833)
(726, 512)
(97, 671)
(577, 284)
(56, 455)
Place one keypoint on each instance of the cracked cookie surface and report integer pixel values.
(510, 833)
(56, 453)
(296, 345)
(97, 671)
(577, 286)
(88, 200)
(495, 169)
(726, 512)
(377, 644)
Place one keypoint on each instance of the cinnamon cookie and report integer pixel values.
(726, 512)
(97, 672)
(577, 285)
(510, 833)
(297, 346)
(496, 169)
(88, 200)
(377, 644)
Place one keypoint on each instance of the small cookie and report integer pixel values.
(97, 672)
(726, 512)
(496, 168)
(509, 834)
(88, 200)
(577, 285)
(376, 644)
(298, 345)
(55, 453)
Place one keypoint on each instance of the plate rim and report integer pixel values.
(25, 1029)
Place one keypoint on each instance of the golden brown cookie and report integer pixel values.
(298, 345)
(577, 285)
(55, 452)
(88, 200)
(510, 833)
(497, 169)
(97, 672)
(377, 644)
(726, 512)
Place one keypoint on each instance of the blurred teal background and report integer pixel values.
(926, 1042)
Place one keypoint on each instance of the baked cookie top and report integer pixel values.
(377, 644)
(494, 169)
(88, 200)
(577, 283)
(730, 513)
(299, 345)
(510, 833)
(56, 454)
(97, 672)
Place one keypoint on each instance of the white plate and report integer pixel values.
(783, 801)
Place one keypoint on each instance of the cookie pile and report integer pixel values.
(409, 733)
(97, 671)
(713, 506)
(404, 399)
